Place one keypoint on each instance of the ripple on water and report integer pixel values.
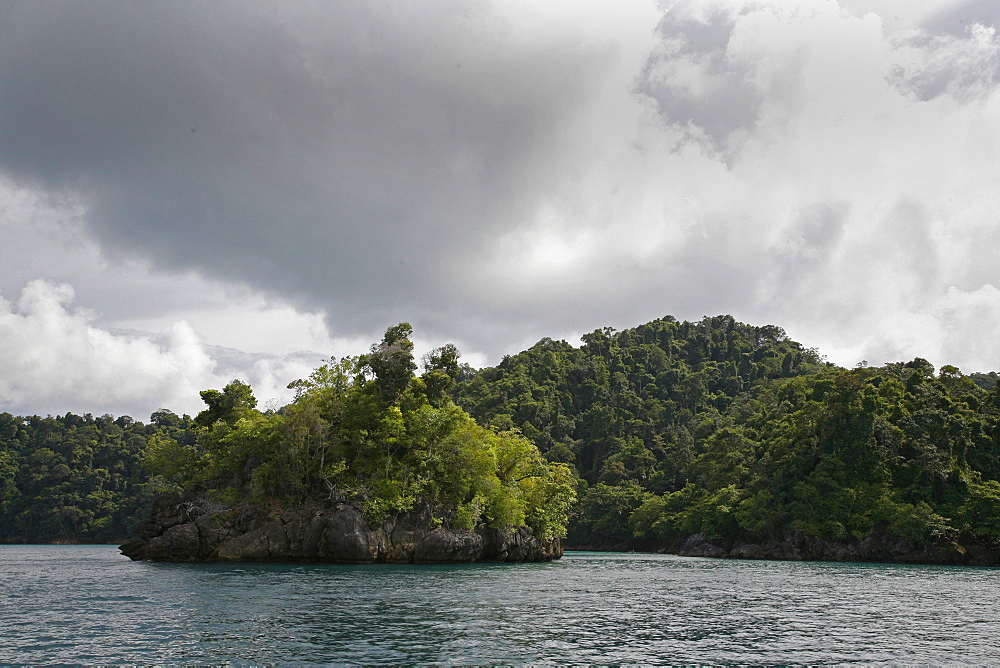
(88, 604)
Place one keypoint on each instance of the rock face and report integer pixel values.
(193, 529)
(881, 547)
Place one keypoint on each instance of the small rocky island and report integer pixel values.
(369, 464)
(180, 530)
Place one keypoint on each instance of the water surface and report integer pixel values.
(88, 604)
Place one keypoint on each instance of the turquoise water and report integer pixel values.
(88, 604)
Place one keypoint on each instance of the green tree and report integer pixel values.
(391, 361)
(441, 368)
(233, 402)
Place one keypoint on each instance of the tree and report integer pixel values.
(235, 401)
(392, 362)
(440, 371)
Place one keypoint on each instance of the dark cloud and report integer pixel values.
(492, 173)
(804, 251)
(340, 153)
(966, 68)
(955, 53)
(692, 80)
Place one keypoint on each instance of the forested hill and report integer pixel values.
(735, 431)
(627, 405)
(78, 478)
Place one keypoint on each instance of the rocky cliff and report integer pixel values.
(881, 547)
(197, 529)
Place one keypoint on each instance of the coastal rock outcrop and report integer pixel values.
(198, 529)
(879, 547)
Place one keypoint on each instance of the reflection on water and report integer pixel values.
(88, 604)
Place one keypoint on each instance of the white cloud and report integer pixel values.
(966, 67)
(54, 357)
(57, 359)
(971, 321)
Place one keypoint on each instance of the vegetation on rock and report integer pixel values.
(366, 430)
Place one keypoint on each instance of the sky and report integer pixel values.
(192, 191)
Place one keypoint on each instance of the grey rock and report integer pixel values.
(699, 545)
(250, 546)
(178, 543)
(980, 555)
(747, 551)
(878, 547)
(441, 545)
(194, 529)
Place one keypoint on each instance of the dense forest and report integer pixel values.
(631, 410)
(665, 430)
(733, 431)
(366, 430)
(75, 478)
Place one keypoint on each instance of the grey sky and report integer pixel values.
(278, 177)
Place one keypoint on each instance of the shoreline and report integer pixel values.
(880, 547)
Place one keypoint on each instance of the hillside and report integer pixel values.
(737, 433)
(77, 478)
(630, 410)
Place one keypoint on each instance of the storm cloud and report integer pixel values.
(497, 172)
(344, 153)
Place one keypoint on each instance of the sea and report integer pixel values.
(87, 605)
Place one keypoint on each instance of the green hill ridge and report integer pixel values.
(737, 433)
(672, 429)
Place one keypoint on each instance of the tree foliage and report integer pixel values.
(628, 410)
(74, 478)
(717, 427)
(368, 431)
(842, 455)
